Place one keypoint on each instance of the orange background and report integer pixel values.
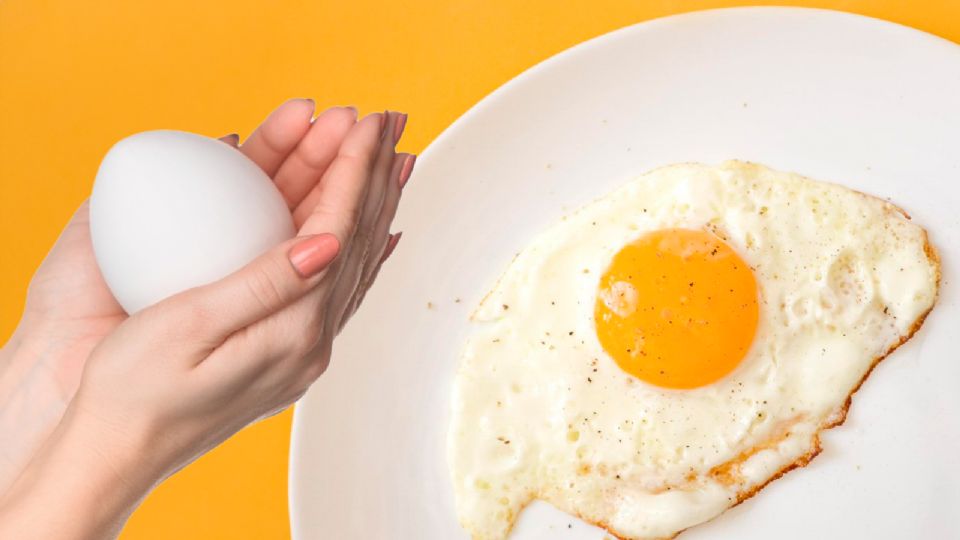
(77, 76)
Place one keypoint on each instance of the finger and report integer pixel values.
(365, 285)
(399, 126)
(339, 197)
(344, 188)
(279, 134)
(304, 167)
(373, 205)
(212, 312)
(400, 173)
(360, 246)
(232, 139)
(403, 167)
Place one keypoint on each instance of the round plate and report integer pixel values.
(869, 104)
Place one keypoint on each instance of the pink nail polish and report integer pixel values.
(407, 169)
(313, 254)
(391, 245)
(398, 127)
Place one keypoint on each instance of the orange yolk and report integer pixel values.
(677, 308)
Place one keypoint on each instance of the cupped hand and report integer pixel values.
(188, 372)
(193, 369)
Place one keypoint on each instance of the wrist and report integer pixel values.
(36, 385)
(85, 475)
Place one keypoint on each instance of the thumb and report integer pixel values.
(264, 286)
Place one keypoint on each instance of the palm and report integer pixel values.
(71, 299)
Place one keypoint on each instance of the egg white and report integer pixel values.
(540, 410)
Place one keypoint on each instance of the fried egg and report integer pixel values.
(661, 354)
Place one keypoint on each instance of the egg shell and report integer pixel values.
(172, 210)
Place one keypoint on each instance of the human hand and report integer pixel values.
(365, 176)
(195, 368)
(68, 312)
(69, 308)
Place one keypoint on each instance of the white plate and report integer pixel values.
(873, 105)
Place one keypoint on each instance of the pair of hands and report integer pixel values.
(98, 407)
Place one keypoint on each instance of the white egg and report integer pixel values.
(172, 210)
(664, 352)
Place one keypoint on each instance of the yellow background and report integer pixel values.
(77, 76)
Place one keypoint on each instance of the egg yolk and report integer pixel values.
(677, 308)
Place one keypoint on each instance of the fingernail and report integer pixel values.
(308, 102)
(383, 124)
(313, 254)
(398, 127)
(353, 109)
(391, 245)
(306, 105)
(407, 169)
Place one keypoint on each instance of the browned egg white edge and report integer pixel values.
(834, 420)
